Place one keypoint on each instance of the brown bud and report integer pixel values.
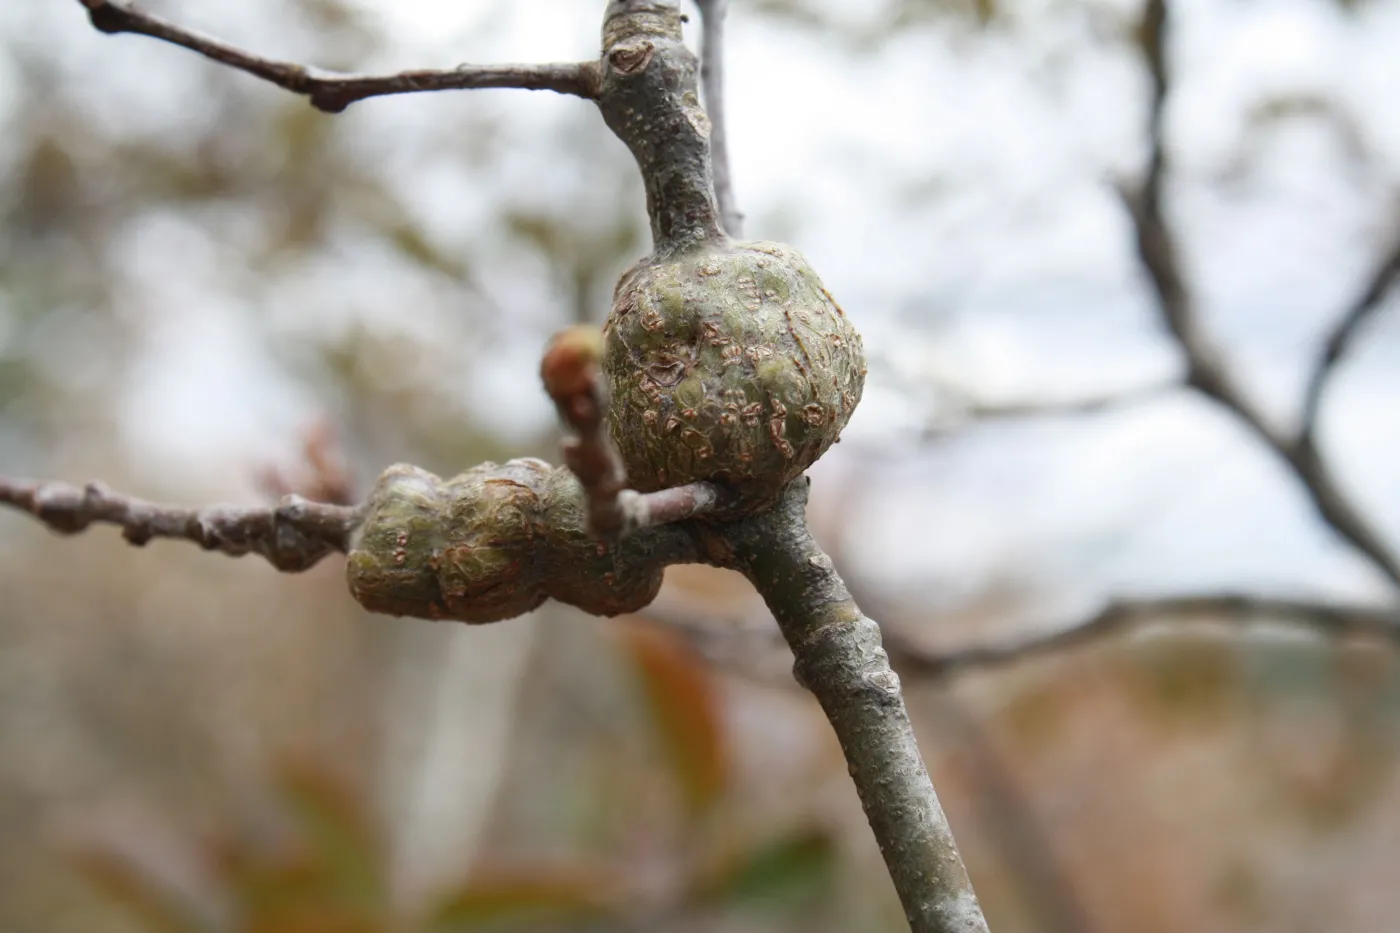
(569, 368)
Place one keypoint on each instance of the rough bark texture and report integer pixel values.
(649, 98)
(839, 658)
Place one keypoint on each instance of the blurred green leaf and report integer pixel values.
(782, 875)
(343, 845)
(684, 704)
(1188, 678)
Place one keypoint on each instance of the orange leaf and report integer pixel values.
(685, 707)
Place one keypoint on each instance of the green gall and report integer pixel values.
(490, 544)
(728, 363)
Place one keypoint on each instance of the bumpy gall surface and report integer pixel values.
(490, 544)
(731, 364)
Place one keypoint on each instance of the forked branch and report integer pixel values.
(333, 91)
(1206, 369)
(1339, 339)
(292, 535)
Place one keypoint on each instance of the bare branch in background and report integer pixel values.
(1206, 369)
(712, 14)
(292, 536)
(1328, 619)
(332, 91)
(968, 413)
(723, 641)
(1339, 339)
(571, 375)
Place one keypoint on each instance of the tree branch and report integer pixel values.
(712, 14)
(1330, 619)
(839, 658)
(332, 91)
(1206, 369)
(1234, 610)
(292, 536)
(571, 374)
(1339, 339)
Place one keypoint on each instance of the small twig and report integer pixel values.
(333, 91)
(1206, 369)
(647, 509)
(571, 375)
(292, 536)
(712, 14)
(838, 658)
(1339, 339)
(324, 476)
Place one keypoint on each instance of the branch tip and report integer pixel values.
(332, 92)
(292, 536)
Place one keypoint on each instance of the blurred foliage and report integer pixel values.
(316, 863)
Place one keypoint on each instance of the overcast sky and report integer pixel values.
(954, 190)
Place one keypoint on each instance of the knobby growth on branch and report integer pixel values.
(724, 371)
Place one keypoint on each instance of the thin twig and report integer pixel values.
(838, 657)
(712, 14)
(1206, 369)
(571, 374)
(333, 91)
(1362, 309)
(723, 641)
(322, 476)
(292, 536)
